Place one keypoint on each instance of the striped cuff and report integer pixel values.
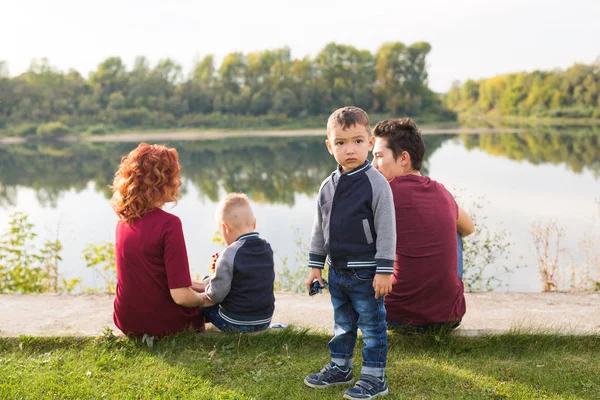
(385, 266)
(316, 261)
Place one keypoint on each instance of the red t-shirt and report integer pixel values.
(151, 259)
(425, 287)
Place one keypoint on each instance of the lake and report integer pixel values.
(517, 179)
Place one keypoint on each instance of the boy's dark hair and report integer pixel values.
(402, 134)
(347, 117)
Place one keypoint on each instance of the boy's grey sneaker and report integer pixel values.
(367, 387)
(331, 375)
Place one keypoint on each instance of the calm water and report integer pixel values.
(523, 178)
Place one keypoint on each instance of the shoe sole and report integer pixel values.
(325, 386)
(384, 393)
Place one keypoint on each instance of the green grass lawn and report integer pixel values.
(272, 365)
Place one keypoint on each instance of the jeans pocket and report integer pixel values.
(367, 229)
(364, 274)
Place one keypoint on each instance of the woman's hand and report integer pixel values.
(187, 297)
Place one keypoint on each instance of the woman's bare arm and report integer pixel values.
(187, 297)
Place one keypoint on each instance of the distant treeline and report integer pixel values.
(258, 89)
(572, 93)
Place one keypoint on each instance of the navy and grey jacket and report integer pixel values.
(243, 281)
(355, 225)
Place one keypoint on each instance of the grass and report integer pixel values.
(272, 365)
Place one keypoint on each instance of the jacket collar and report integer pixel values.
(250, 235)
(355, 172)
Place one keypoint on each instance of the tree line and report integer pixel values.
(570, 93)
(269, 86)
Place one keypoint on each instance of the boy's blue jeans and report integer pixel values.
(211, 314)
(460, 255)
(355, 306)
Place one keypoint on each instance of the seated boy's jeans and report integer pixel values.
(355, 306)
(211, 314)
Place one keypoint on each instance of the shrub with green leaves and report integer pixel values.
(101, 258)
(26, 129)
(484, 249)
(25, 268)
(52, 130)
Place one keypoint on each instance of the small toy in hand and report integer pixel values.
(213, 267)
(315, 287)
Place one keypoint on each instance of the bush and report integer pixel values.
(99, 129)
(134, 117)
(26, 268)
(52, 130)
(26, 130)
(101, 258)
(571, 112)
(217, 120)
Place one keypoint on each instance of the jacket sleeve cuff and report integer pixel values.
(385, 266)
(316, 261)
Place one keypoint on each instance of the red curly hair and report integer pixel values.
(147, 178)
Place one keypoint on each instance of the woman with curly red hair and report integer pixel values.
(154, 287)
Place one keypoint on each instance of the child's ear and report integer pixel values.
(328, 146)
(225, 227)
(254, 225)
(371, 143)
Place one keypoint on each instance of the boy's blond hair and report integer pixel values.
(235, 210)
(347, 117)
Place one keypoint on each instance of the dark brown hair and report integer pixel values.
(402, 134)
(347, 117)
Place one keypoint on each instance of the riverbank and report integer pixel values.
(181, 135)
(487, 312)
(496, 120)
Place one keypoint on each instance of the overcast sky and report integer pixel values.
(470, 38)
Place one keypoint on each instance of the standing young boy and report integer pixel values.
(355, 232)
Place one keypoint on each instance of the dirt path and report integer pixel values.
(206, 135)
(87, 315)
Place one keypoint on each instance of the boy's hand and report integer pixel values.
(382, 284)
(315, 273)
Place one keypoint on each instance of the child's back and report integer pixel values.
(250, 298)
(242, 285)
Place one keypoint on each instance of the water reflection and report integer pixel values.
(269, 170)
(64, 187)
(578, 148)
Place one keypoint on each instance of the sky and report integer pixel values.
(469, 38)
